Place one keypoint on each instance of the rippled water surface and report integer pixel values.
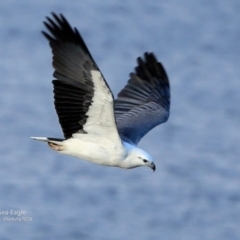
(195, 192)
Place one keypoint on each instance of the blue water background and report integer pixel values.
(195, 192)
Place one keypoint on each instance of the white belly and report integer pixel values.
(97, 150)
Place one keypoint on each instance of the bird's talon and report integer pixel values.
(55, 146)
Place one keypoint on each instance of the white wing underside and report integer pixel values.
(101, 119)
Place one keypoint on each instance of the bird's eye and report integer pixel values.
(144, 160)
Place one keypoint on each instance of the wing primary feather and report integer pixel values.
(145, 101)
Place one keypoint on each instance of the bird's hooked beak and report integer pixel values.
(152, 165)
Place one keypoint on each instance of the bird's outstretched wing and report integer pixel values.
(144, 102)
(83, 100)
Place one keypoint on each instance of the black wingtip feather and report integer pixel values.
(149, 68)
(60, 31)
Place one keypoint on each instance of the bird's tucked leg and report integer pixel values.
(56, 147)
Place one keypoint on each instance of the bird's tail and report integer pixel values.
(45, 139)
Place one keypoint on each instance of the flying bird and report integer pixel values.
(97, 127)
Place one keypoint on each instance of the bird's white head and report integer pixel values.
(138, 157)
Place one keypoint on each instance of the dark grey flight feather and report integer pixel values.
(144, 102)
(72, 61)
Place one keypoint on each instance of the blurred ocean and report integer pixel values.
(195, 192)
